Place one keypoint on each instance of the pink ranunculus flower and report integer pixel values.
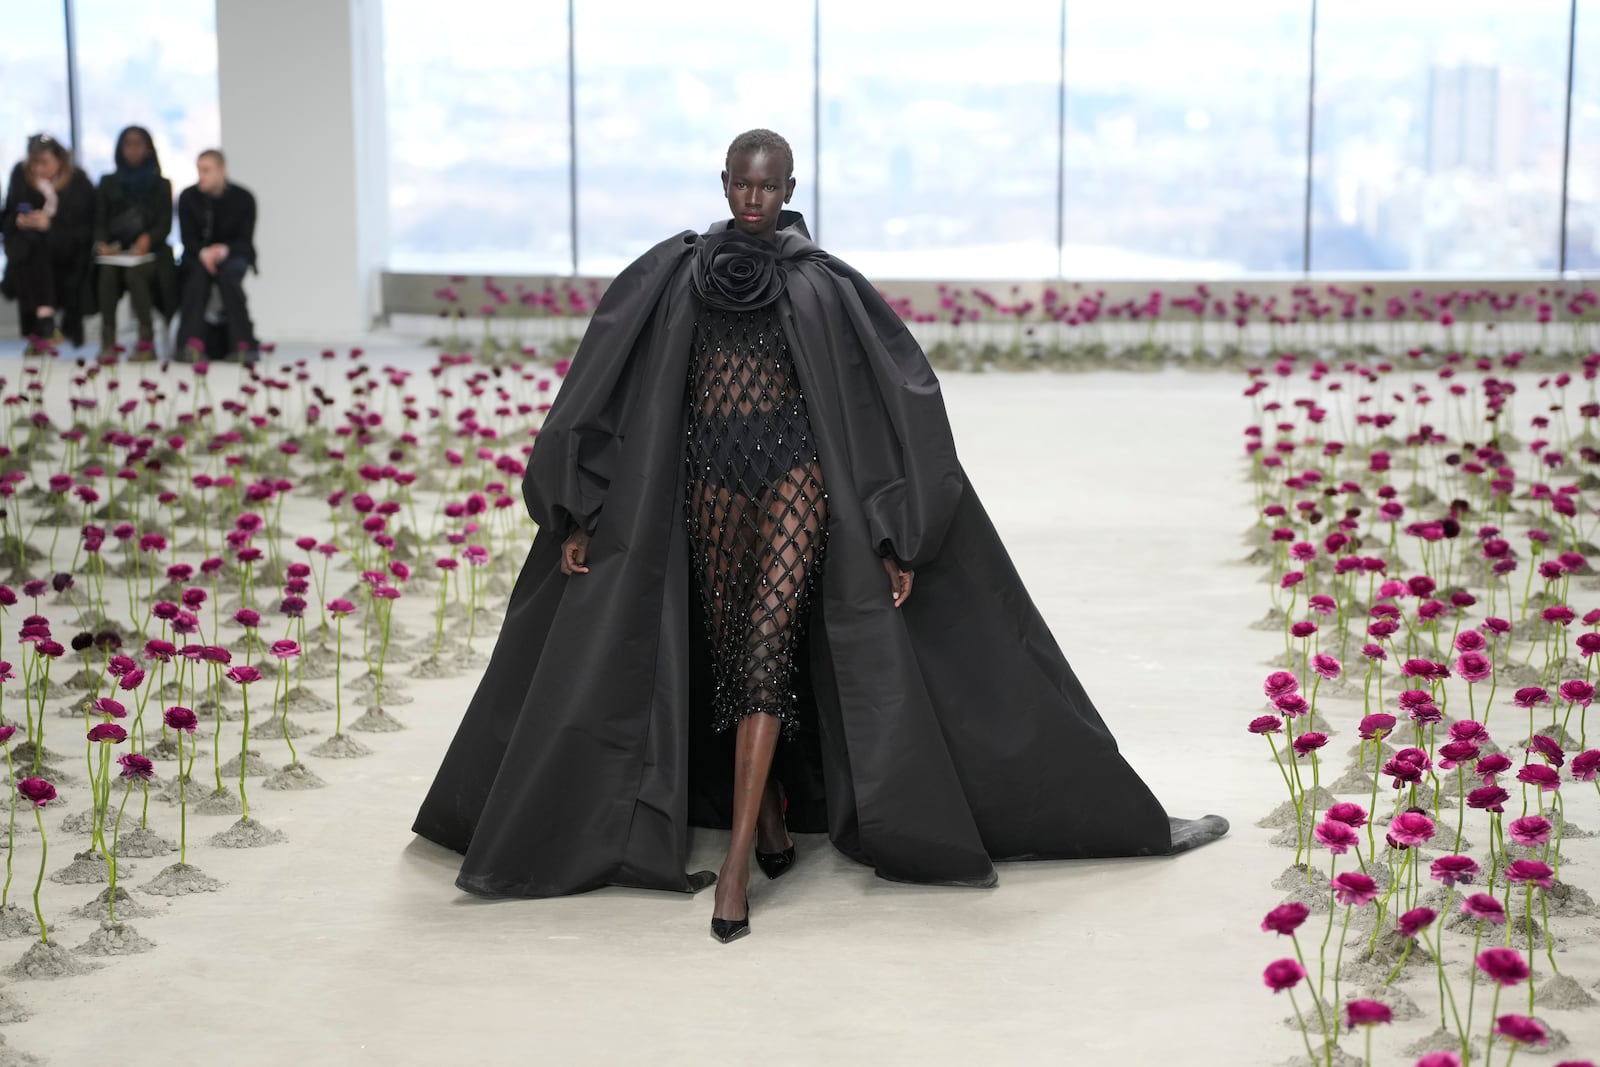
(37, 790)
(1354, 889)
(1280, 683)
(1576, 691)
(181, 718)
(1484, 908)
(1283, 974)
(341, 606)
(1473, 666)
(1410, 829)
(1530, 871)
(108, 732)
(1366, 1013)
(1292, 705)
(1376, 725)
(1585, 764)
(243, 675)
(1503, 966)
(1336, 837)
(1415, 921)
(113, 708)
(1491, 765)
(136, 767)
(1523, 1030)
(1285, 918)
(1325, 665)
(1546, 778)
(285, 649)
(1309, 742)
(1454, 870)
(1350, 814)
(1265, 724)
(1529, 695)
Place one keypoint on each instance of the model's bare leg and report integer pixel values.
(754, 740)
(772, 835)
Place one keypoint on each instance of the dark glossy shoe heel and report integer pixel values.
(773, 864)
(726, 930)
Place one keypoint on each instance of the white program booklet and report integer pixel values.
(125, 259)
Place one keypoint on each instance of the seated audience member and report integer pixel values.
(133, 218)
(48, 222)
(217, 221)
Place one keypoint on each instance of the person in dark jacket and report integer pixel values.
(133, 217)
(217, 221)
(48, 222)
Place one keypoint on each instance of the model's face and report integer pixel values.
(46, 167)
(135, 148)
(757, 188)
(212, 176)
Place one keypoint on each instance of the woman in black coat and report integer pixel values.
(48, 222)
(133, 217)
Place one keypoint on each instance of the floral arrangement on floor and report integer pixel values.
(1428, 712)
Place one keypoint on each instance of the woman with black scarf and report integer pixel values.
(133, 217)
(48, 220)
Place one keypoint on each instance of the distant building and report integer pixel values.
(1463, 118)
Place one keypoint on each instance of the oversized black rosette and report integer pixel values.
(734, 271)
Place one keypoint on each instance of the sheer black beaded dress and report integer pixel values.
(755, 507)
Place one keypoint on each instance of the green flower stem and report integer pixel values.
(44, 850)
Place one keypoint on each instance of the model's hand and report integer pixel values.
(142, 245)
(899, 581)
(104, 249)
(575, 552)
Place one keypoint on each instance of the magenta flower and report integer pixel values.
(1473, 666)
(1352, 888)
(1410, 829)
(1484, 908)
(1300, 629)
(243, 675)
(1521, 1030)
(1309, 742)
(1336, 836)
(131, 680)
(1470, 641)
(1503, 966)
(285, 649)
(1548, 749)
(1469, 730)
(1529, 695)
(1283, 974)
(1376, 725)
(113, 708)
(1440, 1059)
(1491, 765)
(341, 606)
(1291, 579)
(1280, 683)
(39, 791)
(1456, 753)
(1325, 665)
(181, 718)
(1415, 921)
(477, 555)
(1265, 724)
(247, 618)
(1353, 815)
(1488, 798)
(7, 732)
(1576, 691)
(1533, 871)
(135, 766)
(1540, 775)
(1366, 1013)
(1285, 918)
(109, 732)
(1585, 764)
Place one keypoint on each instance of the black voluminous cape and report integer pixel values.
(943, 735)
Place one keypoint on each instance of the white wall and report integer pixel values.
(301, 87)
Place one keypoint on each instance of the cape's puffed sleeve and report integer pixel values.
(901, 451)
(575, 453)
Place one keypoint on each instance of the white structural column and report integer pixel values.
(302, 100)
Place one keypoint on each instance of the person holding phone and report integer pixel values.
(48, 220)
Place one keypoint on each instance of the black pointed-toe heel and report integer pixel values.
(726, 930)
(773, 864)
